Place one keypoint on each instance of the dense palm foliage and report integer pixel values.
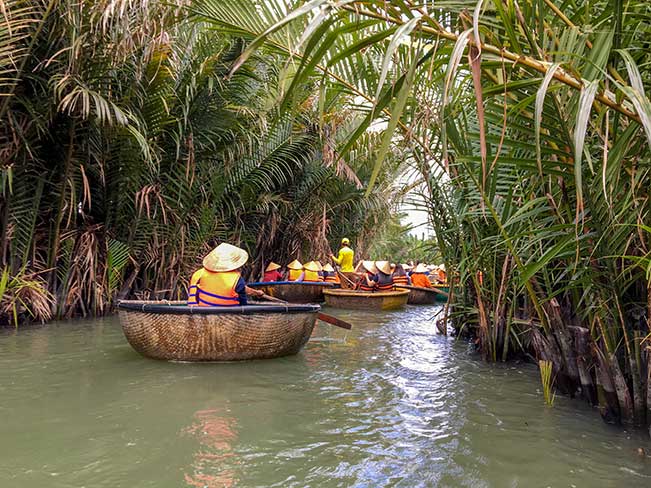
(126, 152)
(530, 123)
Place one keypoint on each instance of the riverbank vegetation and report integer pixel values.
(530, 125)
(126, 152)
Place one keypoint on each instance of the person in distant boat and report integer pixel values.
(219, 283)
(383, 279)
(312, 272)
(346, 257)
(321, 272)
(400, 276)
(442, 275)
(419, 277)
(329, 274)
(367, 280)
(272, 273)
(295, 272)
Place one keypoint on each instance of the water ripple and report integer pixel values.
(389, 404)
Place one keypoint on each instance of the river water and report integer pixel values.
(390, 403)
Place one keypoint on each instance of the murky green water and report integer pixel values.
(388, 404)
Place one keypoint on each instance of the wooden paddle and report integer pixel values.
(332, 320)
(321, 316)
(342, 276)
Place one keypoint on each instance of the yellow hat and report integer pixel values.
(318, 263)
(383, 266)
(273, 266)
(421, 268)
(295, 264)
(345, 240)
(328, 268)
(311, 266)
(369, 266)
(225, 257)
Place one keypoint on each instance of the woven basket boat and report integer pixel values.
(175, 331)
(419, 295)
(366, 300)
(293, 292)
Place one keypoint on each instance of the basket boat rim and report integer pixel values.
(282, 283)
(365, 294)
(173, 308)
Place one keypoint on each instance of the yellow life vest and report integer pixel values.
(312, 276)
(211, 289)
(294, 274)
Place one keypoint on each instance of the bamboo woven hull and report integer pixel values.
(422, 296)
(364, 300)
(304, 292)
(181, 333)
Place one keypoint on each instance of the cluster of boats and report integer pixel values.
(175, 331)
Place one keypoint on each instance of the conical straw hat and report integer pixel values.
(406, 267)
(421, 268)
(311, 266)
(225, 257)
(369, 266)
(318, 263)
(383, 266)
(328, 268)
(273, 266)
(296, 264)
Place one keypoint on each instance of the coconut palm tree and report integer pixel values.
(127, 150)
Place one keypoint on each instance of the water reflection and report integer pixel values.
(212, 465)
(390, 403)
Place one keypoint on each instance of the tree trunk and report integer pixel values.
(582, 340)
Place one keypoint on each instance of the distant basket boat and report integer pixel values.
(176, 331)
(294, 292)
(366, 300)
(419, 295)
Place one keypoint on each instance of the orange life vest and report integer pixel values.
(400, 280)
(388, 286)
(332, 278)
(362, 286)
(210, 289)
(294, 274)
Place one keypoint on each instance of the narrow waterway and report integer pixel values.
(388, 404)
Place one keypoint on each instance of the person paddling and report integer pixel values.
(219, 283)
(272, 273)
(419, 277)
(346, 257)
